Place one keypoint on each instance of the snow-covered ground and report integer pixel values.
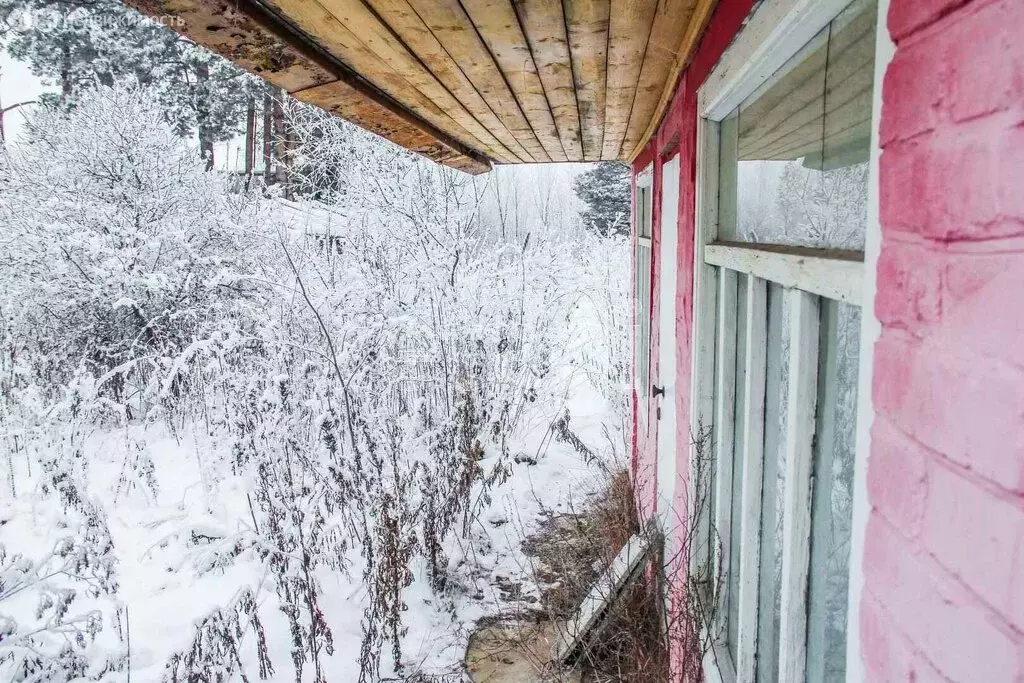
(167, 538)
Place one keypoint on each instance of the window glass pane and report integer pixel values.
(832, 500)
(642, 292)
(735, 538)
(849, 87)
(793, 159)
(643, 302)
(769, 594)
(643, 262)
(643, 210)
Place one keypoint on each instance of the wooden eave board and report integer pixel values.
(603, 595)
(350, 40)
(361, 39)
(453, 28)
(544, 25)
(251, 42)
(415, 34)
(629, 27)
(670, 22)
(509, 81)
(383, 41)
(498, 25)
(697, 23)
(587, 28)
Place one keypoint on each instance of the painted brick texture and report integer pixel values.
(944, 552)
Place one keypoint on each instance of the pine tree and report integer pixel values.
(74, 44)
(604, 190)
(78, 44)
(204, 94)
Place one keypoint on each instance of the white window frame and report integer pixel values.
(644, 183)
(775, 32)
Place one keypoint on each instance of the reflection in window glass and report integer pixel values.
(774, 473)
(793, 163)
(832, 501)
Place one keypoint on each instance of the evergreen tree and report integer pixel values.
(604, 190)
(78, 44)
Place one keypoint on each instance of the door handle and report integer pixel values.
(657, 391)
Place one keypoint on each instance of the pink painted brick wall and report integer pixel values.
(944, 553)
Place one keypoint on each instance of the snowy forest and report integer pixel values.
(284, 420)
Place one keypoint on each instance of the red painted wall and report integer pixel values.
(678, 133)
(944, 552)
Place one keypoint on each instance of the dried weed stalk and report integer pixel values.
(657, 630)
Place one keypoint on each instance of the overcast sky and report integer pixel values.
(17, 84)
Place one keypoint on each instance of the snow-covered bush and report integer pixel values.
(113, 242)
(361, 383)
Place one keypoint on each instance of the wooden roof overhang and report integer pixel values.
(467, 83)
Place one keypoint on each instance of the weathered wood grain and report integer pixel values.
(498, 26)
(587, 26)
(380, 39)
(688, 46)
(453, 28)
(343, 42)
(670, 22)
(829, 273)
(543, 23)
(411, 29)
(629, 27)
(516, 81)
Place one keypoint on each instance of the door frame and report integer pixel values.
(667, 465)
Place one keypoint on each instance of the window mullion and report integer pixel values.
(705, 293)
(702, 462)
(753, 461)
(725, 410)
(796, 529)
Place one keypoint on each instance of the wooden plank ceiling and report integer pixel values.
(466, 83)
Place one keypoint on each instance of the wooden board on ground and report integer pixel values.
(602, 597)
